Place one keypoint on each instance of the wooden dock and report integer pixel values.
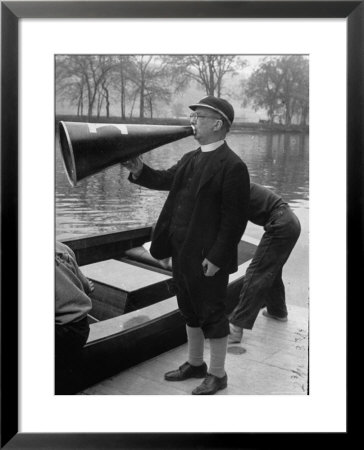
(271, 360)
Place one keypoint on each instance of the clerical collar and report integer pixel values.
(212, 146)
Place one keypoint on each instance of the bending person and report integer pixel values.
(262, 283)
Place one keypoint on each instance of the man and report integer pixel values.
(200, 226)
(263, 285)
(71, 308)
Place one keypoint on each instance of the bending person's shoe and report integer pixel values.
(272, 316)
(210, 385)
(186, 371)
(236, 334)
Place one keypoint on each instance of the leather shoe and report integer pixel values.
(272, 316)
(210, 385)
(186, 371)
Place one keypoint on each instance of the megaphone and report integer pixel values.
(88, 148)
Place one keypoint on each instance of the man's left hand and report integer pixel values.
(209, 269)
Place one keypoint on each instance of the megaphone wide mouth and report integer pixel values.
(88, 148)
(67, 153)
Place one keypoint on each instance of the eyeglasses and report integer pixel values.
(195, 116)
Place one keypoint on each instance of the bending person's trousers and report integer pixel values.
(262, 283)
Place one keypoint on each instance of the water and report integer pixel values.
(109, 202)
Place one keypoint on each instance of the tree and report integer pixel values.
(207, 70)
(105, 93)
(69, 84)
(294, 92)
(93, 83)
(264, 86)
(121, 76)
(301, 92)
(149, 75)
(280, 85)
(83, 74)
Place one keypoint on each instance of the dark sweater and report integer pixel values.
(262, 204)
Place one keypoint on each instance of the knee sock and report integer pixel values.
(217, 356)
(196, 341)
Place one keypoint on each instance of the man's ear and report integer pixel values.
(219, 124)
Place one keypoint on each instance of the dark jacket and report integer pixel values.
(220, 212)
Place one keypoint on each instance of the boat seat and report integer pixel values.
(121, 287)
(141, 254)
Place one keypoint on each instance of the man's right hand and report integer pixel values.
(134, 165)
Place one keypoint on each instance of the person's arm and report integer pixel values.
(234, 215)
(145, 176)
(87, 284)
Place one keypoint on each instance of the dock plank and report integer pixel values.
(271, 360)
(134, 385)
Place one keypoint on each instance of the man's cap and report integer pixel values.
(217, 104)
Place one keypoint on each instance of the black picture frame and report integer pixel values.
(11, 13)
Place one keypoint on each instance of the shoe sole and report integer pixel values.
(184, 379)
(212, 393)
(234, 341)
(280, 319)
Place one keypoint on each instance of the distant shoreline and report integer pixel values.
(247, 127)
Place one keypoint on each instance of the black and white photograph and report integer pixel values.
(182, 224)
(181, 212)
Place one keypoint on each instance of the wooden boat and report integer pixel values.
(135, 315)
